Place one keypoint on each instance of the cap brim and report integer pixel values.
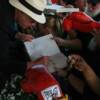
(39, 18)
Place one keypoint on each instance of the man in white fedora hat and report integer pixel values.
(32, 9)
(28, 11)
(28, 14)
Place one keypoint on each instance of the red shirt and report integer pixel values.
(54, 1)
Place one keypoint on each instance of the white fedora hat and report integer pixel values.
(33, 8)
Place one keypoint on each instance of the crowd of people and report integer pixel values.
(24, 20)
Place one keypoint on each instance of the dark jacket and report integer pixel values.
(10, 48)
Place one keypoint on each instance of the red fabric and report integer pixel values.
(37, 79)
(80, 21)
(54, 1)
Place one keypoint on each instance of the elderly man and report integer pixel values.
(9, 63)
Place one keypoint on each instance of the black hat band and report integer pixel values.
(33, 9)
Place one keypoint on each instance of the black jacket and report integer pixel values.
(10, 48)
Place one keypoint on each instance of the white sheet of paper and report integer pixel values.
(56, 62)
(42, 46)
(45, 46)
(61, 9)
(54, 7)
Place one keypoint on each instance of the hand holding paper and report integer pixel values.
(45, 46)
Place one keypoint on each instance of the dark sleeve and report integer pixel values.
(7, 63)
(9, 67)
(84, 38)
(7, 36)
(7, 18)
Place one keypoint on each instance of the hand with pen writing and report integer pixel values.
(78, 62)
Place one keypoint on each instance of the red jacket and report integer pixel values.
(54, 1)
(81, 22)
(39, 81)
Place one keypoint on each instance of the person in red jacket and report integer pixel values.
(80, 21)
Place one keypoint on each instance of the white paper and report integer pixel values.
(61, 9)
(54, 7)
(45, 46)
(56, 62)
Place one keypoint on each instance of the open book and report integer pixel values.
(46, 46)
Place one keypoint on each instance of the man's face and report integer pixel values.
(25, 23)
(23, 20)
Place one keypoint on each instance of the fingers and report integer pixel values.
(74, 58)
(78, 62)
(24, 37)
(42, 60)
(27, 37)
(46, 60)
(95, 32)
